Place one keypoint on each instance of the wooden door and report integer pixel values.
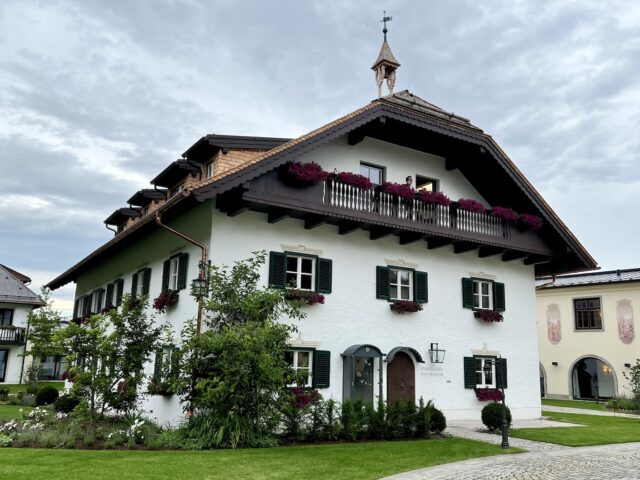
(401, 379)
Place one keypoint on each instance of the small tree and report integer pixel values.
(233, 376)
(44, 322)
(633, 377)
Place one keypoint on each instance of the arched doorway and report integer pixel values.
(593, 378)
(401, 379)
(543, 381)
(362, 373)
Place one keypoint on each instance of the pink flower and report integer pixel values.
(400, 190)
(533, 221)
(309, 172)
(471, 205)
(405, 306)
(505, 213)
(354, 179)
(437, 198)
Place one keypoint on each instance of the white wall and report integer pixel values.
(14, 362)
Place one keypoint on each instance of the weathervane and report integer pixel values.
(386, 64)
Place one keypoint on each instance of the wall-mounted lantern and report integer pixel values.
(436, 354)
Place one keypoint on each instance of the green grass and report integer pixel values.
(15, 387)
(7, 412)
(336, 461)
(575, 404)
(597, 430)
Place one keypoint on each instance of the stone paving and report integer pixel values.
(583, 411)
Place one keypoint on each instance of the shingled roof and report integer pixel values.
(13, 290)
(386, 55)
(589, 278)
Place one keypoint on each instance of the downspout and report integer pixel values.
(203, 262)
(115, 232)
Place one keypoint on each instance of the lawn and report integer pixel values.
(333, 461)
(597, 430)
(574, 404)
(7, 412)
(21, 387)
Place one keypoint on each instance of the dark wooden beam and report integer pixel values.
(513, 255)
(437, 242)
(409, 237)
(486, 251)
(275, 214)
(347, 227)
(313, 221)
(237, 209)
(378, 232)
(355, 136)
(536, 259)
(232, 202)
(461, 247)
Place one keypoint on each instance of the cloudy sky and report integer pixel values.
(97, 97)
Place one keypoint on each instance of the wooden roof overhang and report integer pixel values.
(209, 145)
(175, 172)
(144, 197)
(465, 147)
(121, 215)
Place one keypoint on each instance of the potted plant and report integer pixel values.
(488, 315)
(166, 299)
(306, 297)
(300, 174)
(405, 306)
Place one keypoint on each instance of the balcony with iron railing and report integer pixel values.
(10, 335)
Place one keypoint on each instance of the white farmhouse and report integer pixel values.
(16, 301)
(366, 250)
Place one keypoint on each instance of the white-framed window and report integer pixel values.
(485, 379)
(373, 173)
(174, 266)
(301, 272)
(400, 284)
(209, 170)
(482, 294)
(140, 283)
(302, 363)
(96, 301)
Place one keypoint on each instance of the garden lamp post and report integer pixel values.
(488, 370)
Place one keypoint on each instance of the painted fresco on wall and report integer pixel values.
(553, 323)
(624, 314)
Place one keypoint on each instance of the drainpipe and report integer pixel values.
(203, 262)
(115, 232)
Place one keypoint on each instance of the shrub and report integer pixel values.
(438, 421)
(4, 394)
(5, 440)
(492, 416)
(347, 421)
(47, 395)
(65, 403)
(331, 426)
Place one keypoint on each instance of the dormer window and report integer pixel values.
(176, 190)
(145, 211)
(209, 170)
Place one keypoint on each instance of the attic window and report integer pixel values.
(209, 172)
(176, 190)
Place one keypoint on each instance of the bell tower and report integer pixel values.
(386, 65)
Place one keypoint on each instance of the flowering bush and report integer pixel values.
(304, 296)
(488, 315)
(305, 397)
(405, 306)
(437, 198)
(304, 173)
(488, 394)
(353, 179)
(165, 300)
(399, 190)
(471, 205)
(505, 213)
(532, 221)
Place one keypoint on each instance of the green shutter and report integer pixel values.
(175, 362)
(183, 261)
(469, 372)
(100, 298)
(321, 368)
(501, 372)
(119, 291)
(157, 366)
(134, 284)
(467, 293)
(86, 305)
(382, 283)
(498, 297)
(166, 269)
(109, 300)
(277, 270)
(146, 279)
(324, 272)
(421, 287)
(76, 308)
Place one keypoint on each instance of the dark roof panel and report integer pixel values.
(143, 197)
(174, 173)
(589, 278)
(121, 215)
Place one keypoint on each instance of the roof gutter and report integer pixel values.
(203, 262)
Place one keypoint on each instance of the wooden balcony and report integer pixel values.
(382, 214)
(13, 336)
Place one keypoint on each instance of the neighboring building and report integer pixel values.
(362, 249)
(586, 333)
(16, 301)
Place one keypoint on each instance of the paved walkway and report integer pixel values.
(585, 411)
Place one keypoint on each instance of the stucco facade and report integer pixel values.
(563, 345)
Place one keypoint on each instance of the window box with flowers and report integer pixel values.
(486, 394)
(505, 213)
(530, 222)
(298, 174)
(488, 315)
(433, 198)
(405, 306)
(305, 297)
(352, 179)
(166, 299)
(485, 297)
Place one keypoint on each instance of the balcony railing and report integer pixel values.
(13, 336)
(341, 195)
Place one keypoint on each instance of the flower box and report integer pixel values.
(471, 205)
(434, 198)
(159, 388)
(531, 222)
(353, 179)
(304, 296)
(166, 299)
(488, 394)
(505, 213)
(488, 315)
(299, 174)
(398, 190)
(405, 306)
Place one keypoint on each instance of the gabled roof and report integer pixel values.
(20, 276)
(121, 215)
(143, 197)
(175, 172)
(401, 118)
(385, 55)
(13, 290)
(589, 278)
